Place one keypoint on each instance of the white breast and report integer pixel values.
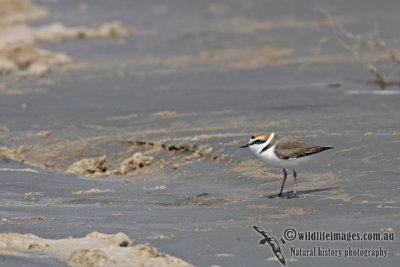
(273, 160)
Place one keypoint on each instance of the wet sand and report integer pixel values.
(137, 132)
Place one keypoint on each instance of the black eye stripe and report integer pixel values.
(257, 142)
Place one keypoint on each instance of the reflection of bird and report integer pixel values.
(283, 152)
(273, 242)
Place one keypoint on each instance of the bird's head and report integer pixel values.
(258, 141)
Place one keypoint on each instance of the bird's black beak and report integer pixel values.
(246, 145)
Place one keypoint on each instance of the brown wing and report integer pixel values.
(289, 148)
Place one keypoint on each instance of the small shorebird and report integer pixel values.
(283, 152)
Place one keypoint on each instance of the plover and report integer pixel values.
(282, 152)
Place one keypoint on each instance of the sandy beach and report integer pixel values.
(121, 123)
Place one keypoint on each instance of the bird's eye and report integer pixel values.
(252, 137)
(257, 142)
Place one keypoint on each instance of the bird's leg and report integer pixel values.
(283, 183)
(295, 181)
(294, 186)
